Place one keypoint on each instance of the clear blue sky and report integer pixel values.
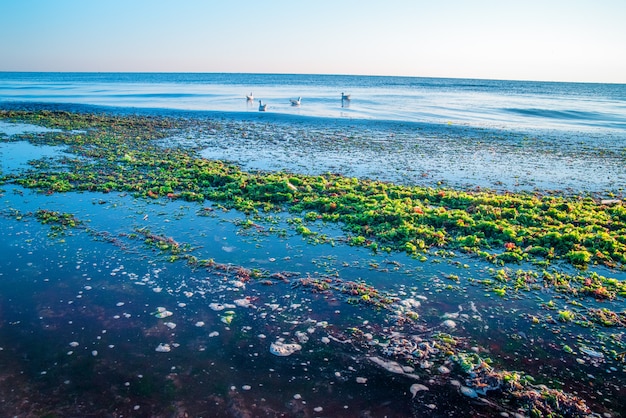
(557, 40)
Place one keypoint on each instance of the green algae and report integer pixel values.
(122, 154)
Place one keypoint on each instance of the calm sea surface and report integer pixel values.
(477, 103)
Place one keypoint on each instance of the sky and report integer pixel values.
(548, 40)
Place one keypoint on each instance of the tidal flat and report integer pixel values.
(183, 265)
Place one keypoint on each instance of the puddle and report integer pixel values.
(15, 156)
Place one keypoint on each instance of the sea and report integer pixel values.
(566, 107)
(100, 320)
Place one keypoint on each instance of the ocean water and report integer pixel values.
(565, 107)
(80, 325)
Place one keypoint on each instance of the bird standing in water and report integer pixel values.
(345, 100)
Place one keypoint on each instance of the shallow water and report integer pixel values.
(564, 107)
(100, 286)
(102, 290)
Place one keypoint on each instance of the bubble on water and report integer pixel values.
(469, 392)
(448, 323)
(162, 312)
(281, 349)
(246, 387)
(238, 284)
(417, 387)
(163, 348)
(362, 380)
(214, 334)
(74, 344)
(94, 353)
(243, 303)
(170, 325)
(200, 324)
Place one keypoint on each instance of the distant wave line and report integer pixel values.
(566, 114)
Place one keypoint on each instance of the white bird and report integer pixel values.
(295, 102)
(250, 97)
(262, 107)
(345, 100)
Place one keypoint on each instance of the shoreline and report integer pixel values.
(410, 153)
